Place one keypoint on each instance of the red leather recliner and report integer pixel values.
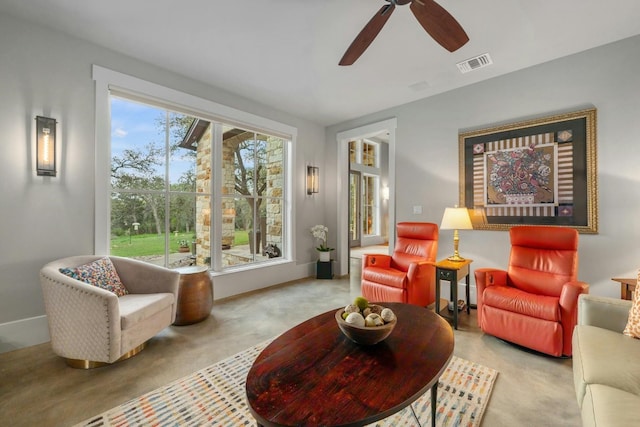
(408, 275)
(535, 302)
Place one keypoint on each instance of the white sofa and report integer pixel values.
(90, 326)
(606, 371)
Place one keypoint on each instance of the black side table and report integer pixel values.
(324, 270)
(453, 271)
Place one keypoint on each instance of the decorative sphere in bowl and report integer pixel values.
(365, 335)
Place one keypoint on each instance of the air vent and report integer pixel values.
(474, 63)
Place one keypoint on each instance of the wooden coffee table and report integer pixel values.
(314, 375)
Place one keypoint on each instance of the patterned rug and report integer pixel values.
(215, 396)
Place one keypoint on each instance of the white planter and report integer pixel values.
(324, 256)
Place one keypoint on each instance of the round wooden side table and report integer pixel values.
(195, 295)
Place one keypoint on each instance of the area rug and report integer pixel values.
(215, 396)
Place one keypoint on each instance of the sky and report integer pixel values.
(135, 125)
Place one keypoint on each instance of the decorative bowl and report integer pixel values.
(365, 335)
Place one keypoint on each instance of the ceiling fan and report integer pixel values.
(436, 21)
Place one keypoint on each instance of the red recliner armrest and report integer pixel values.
(420, 283)
(569, 311)
(376, 260)
(486, 277)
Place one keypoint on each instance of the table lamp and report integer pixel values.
(456, 219)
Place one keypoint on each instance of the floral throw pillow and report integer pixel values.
(100, 273)
(633, 323)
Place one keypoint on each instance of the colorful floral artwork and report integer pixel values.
(541, 171)
(521, 176)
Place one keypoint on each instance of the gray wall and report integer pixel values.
(427, 151)
(41, 219)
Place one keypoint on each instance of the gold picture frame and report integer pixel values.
(534, 172)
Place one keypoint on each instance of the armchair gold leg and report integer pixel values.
(90, 364)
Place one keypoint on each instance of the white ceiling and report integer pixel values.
(285, 53)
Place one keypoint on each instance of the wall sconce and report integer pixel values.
(456, 219)
(384, 193)
(313, 179)
(45, 146)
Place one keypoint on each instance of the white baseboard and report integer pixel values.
(231, 284)
(35, 330)
(23, 333)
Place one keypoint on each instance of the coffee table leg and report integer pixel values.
(434, 402)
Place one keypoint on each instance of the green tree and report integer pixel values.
(250, 174)
(140, 170)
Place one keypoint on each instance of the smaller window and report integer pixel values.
(369, 205)
(353, 152)
(369, 154)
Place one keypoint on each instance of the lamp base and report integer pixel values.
(456, 258)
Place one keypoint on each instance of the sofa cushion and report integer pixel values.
(633, 323)
(100, 273)
(517, 301)
(136, 307)
(608, 406)
(605, 357)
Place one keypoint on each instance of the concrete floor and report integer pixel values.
(38, 389)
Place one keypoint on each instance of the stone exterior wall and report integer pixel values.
(228, 192)
(203, 210)
(271, 229)
(275, 186)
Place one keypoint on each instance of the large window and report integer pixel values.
(170, 207)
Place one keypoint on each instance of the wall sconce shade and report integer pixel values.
(384, 193)
(456, 219)
(313, 179)
(45, 146)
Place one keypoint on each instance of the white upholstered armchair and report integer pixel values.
(91, 326)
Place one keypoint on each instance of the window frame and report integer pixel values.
(366, 172)
(375, 206)
(134, 88)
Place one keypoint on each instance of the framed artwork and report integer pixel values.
(535, 172)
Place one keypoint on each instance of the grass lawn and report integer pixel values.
(152, 244)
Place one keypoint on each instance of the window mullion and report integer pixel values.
(216, 199)
(256, 214)
(167, 188)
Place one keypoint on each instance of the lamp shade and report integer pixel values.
(456, 219)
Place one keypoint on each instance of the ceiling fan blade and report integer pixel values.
(439, 24)
(367, 35)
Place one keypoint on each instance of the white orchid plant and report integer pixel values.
(320, 233)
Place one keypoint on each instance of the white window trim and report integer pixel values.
(342, 139)
(106, 79)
